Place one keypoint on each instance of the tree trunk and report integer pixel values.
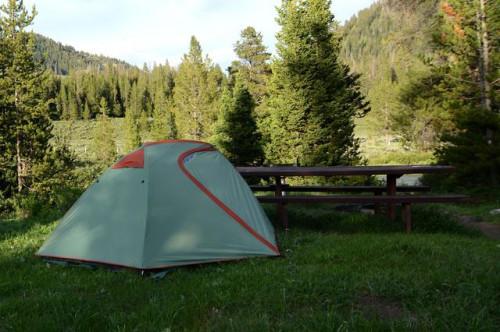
(20, 180)
(483, 58)
(19, 161)
(485, 87)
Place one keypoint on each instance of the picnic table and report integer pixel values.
(391, 197)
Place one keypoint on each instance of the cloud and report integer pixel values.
(150, 31)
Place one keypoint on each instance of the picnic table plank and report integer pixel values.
(342, 170)
(361, 199)
(319, 188)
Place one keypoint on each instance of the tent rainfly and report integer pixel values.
(169, 203)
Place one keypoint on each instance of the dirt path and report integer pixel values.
(489, 230)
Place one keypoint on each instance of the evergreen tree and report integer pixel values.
(253, 65)
(195, 94)
(132, 131)
(25, 123)
(87, 114)
(254, 69)
(53, 178)
(104, 145)
(52, 86)
(132, 118)
(118, 108)
(163, 125)
(464, 85)
(314, 98)
(237, 136)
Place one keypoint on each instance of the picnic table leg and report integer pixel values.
(285, 217)
(281, 207)
(407, 216)
(391, 191)
(377, 205)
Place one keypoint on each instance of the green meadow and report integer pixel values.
(338, 271)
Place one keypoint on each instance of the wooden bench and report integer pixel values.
(404, 200)
(387, 195)
(338, 189)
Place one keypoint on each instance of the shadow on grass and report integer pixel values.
(11, 227)
(313, 217)
(324, 218)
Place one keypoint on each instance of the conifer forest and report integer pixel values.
(423, 75)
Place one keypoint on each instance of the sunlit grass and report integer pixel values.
(380, 149)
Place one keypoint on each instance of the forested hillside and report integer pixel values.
(389, 44)
(63, 59)
(430, 71)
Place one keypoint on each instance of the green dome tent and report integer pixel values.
(169, 203)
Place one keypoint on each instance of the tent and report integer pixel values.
(169, 203)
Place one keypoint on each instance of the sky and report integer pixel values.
(149, 31)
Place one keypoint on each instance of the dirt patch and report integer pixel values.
(382, 308)
(489, 230)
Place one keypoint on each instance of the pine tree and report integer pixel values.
(104, 145)
(253, 65)
(237, 136)
(87, 114)
(132, 131)
(7, 130)
(254, 69)
(465, 89)
(314, 98)
(131, 123)
(118, 108)
(196, 93)
(25, 123)
(163, 125)
(73, 104)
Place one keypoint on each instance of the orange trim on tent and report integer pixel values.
(231, 213)
(136, 158)
(132, 160)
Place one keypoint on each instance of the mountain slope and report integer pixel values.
(62, 59)
(388, 43)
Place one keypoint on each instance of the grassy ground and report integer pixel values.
(78, 136)
(381, 149)
(377, 149)
(339, 271)
(483, 203)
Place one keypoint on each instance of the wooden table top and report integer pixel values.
(343, 170)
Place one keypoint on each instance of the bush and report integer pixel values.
(53, 186)
(26, 206)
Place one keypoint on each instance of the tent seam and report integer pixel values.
(217, 201)
(146, 183)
